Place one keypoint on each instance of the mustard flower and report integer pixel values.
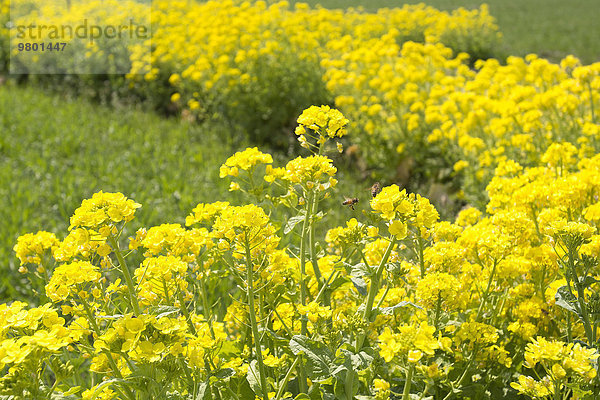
(310, 171)
(244, 160)
(392, 203)
(103, 208)
(206, 212)
(31, 247)
(438, 287)
(324, 120)
(69, 279)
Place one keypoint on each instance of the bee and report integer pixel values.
(375, 189)
(350, 202)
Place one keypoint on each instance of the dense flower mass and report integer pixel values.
(322, 120)
(71, 279)
(244, 160)
(395, 295)
(104, 209)
(249, 301)
(31, 247)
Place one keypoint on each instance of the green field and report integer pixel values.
(550, 28)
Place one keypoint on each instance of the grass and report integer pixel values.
(550, 28)
(55, 152)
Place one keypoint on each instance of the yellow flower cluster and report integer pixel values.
(29, 335)
(104, 210)
(562, 362)
(244, 160)
(72, 279)
(206, 213)
(272, 59)
(410, 341)
(30, 248)
(311, 171)
(401, 209)
(161, 278)
(416, 302)
(96, 52)
(322, 123)
(438, 288)
(172, 240)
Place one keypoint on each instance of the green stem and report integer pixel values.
(206, 310)
(438, 309)
(286, 379)
(313, 250)
(535, 222)
(126, 274)
(349, 384)
(421, 258)
(464, 374)
(109, 356)
(253, 324)
(580, 299)
(373, 289)
(303, 240)
(557, 390)
(303, 289)
(408, 383)
(487, 291)
(185, 311)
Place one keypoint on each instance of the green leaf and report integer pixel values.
(360, 285)
(361, 361)
(204, 392)
(302, 396)
(587, 281)
(115, 316)
(359, 270)
(253, 377)
(98, 389)
(164, 311)
(392, 310)
(319, 358)
(350, 360)
(566, 300)
(224, 373)
(292, 222)
(72, 390)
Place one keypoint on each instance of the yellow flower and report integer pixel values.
(244, 160)
(380, 385)
(414, 356)
(398, 229)
(309, 170)
(324, 120)
(392, 203)
(31, 247)
(69, 279)
(103, 208)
